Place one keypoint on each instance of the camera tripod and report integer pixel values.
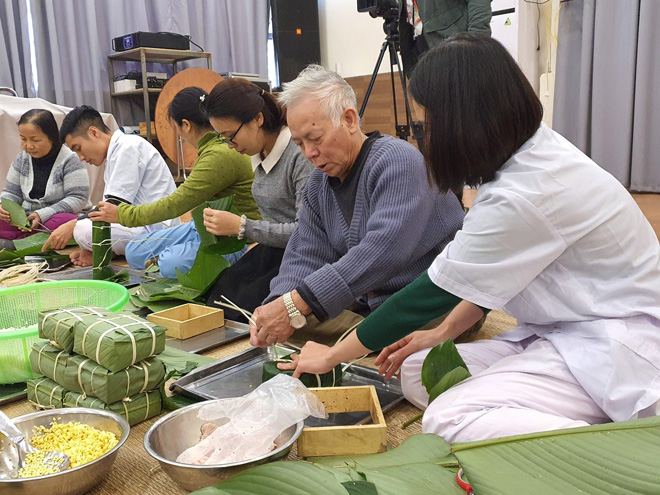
(391, 43)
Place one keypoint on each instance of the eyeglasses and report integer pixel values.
(231, 139)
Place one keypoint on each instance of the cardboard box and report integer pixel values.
(346, 440)
(188, 320)
(143, 128)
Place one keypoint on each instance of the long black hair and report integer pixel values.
(44, 120)
(480, 109)
(242, 100)
(186, 105)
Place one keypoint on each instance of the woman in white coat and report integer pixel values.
(551, 238)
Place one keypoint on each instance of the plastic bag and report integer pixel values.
(246, 427)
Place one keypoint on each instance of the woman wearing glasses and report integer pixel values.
(218, 172)
(252, 122)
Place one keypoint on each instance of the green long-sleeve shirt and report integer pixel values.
(218, 172)
(417, 304)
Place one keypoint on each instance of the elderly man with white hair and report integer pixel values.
(369, 225)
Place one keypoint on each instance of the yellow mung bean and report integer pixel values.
(81, 443)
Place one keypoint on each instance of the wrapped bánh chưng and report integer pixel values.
(84, 375)
(118, 341)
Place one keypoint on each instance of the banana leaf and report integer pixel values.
(17, 215)
(222, 244)
(101, 251)
(209, 264)
(7, 255)
(414, 468)
(166, 288)
(613, 458)
(441, 360)
(33, 244)
(330, 379)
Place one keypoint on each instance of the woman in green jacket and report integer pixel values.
(218, 172)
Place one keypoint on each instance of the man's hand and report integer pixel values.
(4, 215)
(272, 324)
(35, 219)
(60, 236)
(313, 358)
(107, 212)
(219, 222)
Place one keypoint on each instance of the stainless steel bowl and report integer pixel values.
(179, 430)
(74, 481)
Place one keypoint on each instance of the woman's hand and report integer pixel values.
(4, 215)
(219, 222)
(107, 212)
(60, 236)
(35, 219)
(392, 357)
(313, 358)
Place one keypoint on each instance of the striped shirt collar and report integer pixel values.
(276, 153)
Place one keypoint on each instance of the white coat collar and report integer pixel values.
(276, 153)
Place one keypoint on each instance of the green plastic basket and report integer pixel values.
(20, 307)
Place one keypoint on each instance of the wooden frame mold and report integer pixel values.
(188, 320)
(346, 440)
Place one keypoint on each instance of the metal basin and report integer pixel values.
(179, 430)
(74, 481)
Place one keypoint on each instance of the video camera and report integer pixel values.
(387, 9)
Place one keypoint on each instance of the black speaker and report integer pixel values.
(295, 36)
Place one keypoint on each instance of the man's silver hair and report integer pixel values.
(324, 85)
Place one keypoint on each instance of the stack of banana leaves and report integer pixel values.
(611, 458)
(29, 246)
(207, 267)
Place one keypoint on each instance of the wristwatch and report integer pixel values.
(296, 318)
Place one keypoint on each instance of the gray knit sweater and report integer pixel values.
(279, 196)
(399, 226)
(67, 189)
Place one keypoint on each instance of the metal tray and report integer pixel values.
(240, 374)
(136, 277)
(12, 393)
(232, 330)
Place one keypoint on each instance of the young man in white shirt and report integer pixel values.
(135, 173)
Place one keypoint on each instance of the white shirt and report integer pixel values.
(135, 172)
(559, 244)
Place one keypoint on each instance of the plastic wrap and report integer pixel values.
(246, 427)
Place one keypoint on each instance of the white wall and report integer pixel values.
(350, 40)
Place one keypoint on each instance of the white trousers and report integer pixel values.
(120, 235)
(515, 388)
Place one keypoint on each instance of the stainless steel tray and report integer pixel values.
(240, 374)
(232, 330)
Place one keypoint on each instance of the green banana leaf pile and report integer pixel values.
(45, 393)
(615, 458)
